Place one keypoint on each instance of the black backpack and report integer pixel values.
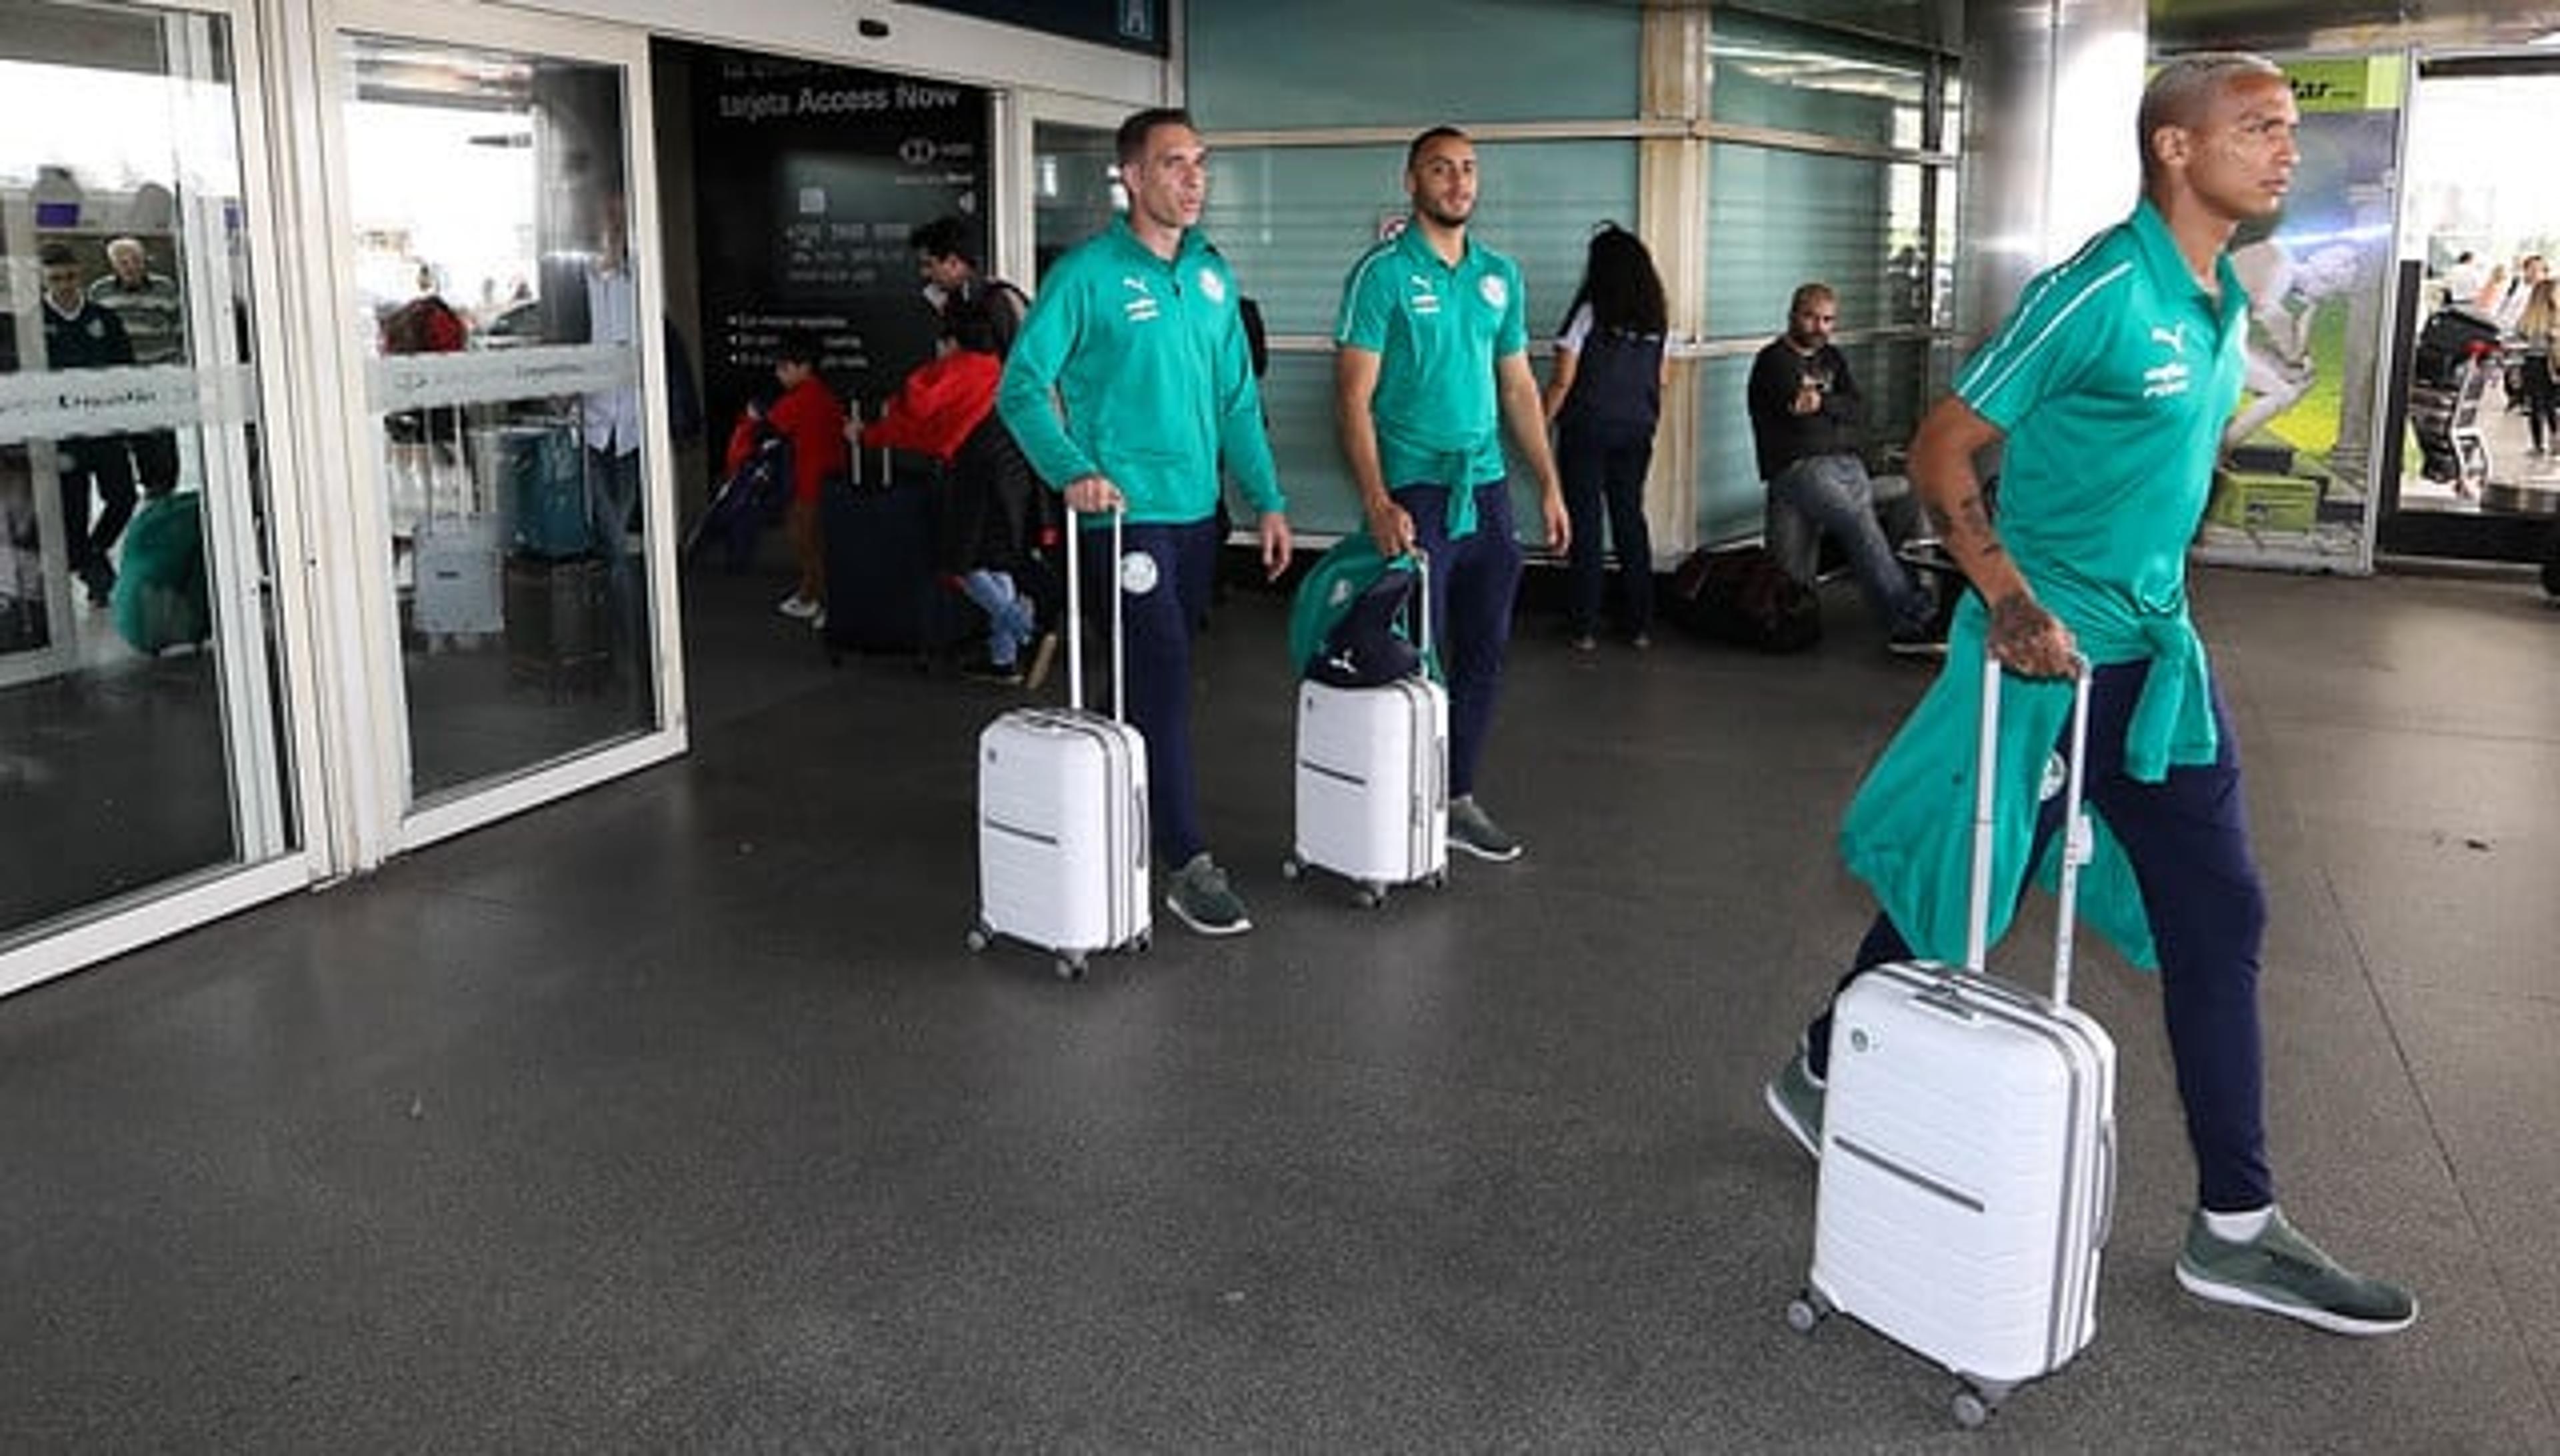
(1617, 380)
(1741, 595)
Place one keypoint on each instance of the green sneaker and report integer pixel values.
(1473, 830)
(2283, 1273)
(1794, 1098)
(1198, 896)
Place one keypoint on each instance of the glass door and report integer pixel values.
(2476, 471)
(513, 430)
(1075, 186)
(143, 725)
(1067, 180)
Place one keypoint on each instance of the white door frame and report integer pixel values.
(371, 725)
(1017, 114)
(265, 826)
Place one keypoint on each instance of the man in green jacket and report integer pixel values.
(1130, 380)
(1430, 364)
(2110, 385)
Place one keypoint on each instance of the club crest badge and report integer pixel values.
(1137, 573)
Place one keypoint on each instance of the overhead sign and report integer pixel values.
(1131, 25)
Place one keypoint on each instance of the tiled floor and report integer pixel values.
(678, 1117)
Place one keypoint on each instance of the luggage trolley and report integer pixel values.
(2457, 354)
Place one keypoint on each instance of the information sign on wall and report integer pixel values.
(808, 179)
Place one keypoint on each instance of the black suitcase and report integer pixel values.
(557, 632)
(883, 595)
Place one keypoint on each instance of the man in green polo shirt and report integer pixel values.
(1131, 379)
(2110, 385)
(1430, 348)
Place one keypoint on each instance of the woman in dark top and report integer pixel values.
(1605, 397)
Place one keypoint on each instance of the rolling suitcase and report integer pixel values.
(1969, 1148)
(882, 594)
(1063, 829)
(559, 631)
(456, 561)
(1372, 792)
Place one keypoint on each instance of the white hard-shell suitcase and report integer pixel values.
(1969, 1147)
(1372, 771)
(1062, 828)
(459, 577)
(456, 556)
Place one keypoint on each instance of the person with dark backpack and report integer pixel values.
(1604, 398)
(947, 259)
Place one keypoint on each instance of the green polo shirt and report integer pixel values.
(2111, 380)
(1438, 330)
(1146, 358)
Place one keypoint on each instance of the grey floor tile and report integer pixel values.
(678, 1117)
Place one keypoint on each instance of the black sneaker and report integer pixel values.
(1002, 674)
(1920, 642)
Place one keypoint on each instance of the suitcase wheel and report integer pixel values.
(979, 938)
(1972, 1404)
(1290, 869)
(1368, 896)
(1806, 1312)
(1070, 967)
(1143, 941)
(1437, 880)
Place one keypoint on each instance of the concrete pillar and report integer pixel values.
(2050, 149)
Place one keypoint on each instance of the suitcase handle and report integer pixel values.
(1075, 619)
(1422, 614)
(2106, 1193)
(2077, 837)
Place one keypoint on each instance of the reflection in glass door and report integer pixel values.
(1075, 186)
(497, 291)
(139, 737)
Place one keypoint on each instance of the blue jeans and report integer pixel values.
(1473, 582)
(1008, 613)
(1830, 495)
(1604, 466)
(2187, 838)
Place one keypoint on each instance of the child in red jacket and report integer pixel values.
(812, 423)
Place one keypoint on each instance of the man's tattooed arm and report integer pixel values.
(2029, 639)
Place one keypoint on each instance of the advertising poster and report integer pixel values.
(808, 178)
(2296, 487)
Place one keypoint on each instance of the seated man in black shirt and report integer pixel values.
(1804, 421)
